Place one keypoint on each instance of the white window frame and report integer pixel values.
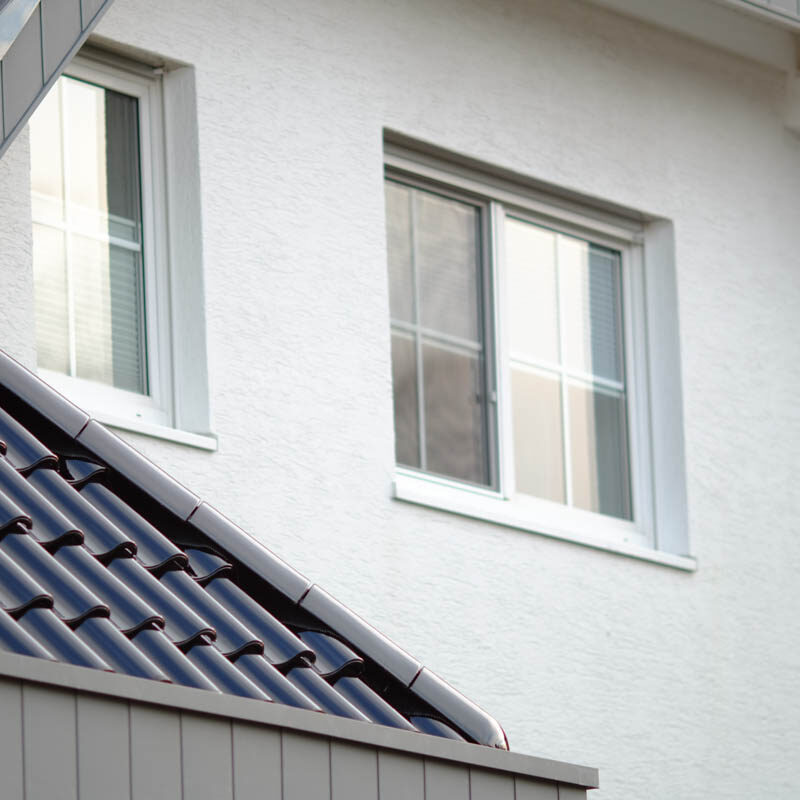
(101, 400)
(500, 504)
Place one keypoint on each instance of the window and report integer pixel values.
(114, 157)
(96, 225)
(521, 358)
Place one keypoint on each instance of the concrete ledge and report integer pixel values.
(82, 679)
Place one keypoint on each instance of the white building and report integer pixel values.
(594, 247)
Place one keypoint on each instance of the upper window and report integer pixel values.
(97, 231)
(519, 354)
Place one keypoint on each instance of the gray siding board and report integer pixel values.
(354, 772)
(276, 715)
(400, 777)
(446, 781)
(61, 27)
(89, 9)
(485, 785)
(50, 749)
(531, 789)
(70, 742)
(155, 753)
(306, 767)
(103, 737)
(11, 739)
(22, 71)
(207, 758)
(256, 763)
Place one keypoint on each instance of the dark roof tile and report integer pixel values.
(281, 646)
(73, 601)
(81, 471)
(15, 639)
(436, 728)
(268, 678)
(161, 651)
(23, 451)
(323, 694)
(153, 549)
(223, 674)
(233, 638)
(128, 611)
(50, 526)
(333, 658)
(370, 704)
(206, 566)
(44, 626)
(100, 535)
(183, 625)
(18, 591)
(11, 514)
(361, 635)
(117, 650)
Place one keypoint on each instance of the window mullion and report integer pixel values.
(565, 428)
(499, 283)
(65, 182)
(423, 459)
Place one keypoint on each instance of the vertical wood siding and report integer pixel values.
(38, 54)
(72, 745)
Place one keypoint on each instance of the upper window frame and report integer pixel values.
(156, 407)
(627, 235)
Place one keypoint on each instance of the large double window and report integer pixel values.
(519, 354)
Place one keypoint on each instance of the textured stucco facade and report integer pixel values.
(674, 684)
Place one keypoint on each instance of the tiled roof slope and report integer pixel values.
(107, 562)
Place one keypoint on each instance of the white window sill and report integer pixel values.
(200, 441)
(491, 507)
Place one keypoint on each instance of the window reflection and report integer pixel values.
(86, 201)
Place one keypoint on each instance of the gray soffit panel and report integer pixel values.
(108, 562)
(38, 38)
(14, 15)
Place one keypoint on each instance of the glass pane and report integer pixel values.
(532, 290)
(538, 441)
(590, 288)
(108, 314)
(47, 175)
(448, 264)
(454, 414)
(101, 136)
(50, 298)
(600, 474)
(406, 417)
(398, 234)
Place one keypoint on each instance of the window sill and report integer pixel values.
(491, 507)
(200, 441)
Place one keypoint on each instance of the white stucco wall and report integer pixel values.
(675, 685)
